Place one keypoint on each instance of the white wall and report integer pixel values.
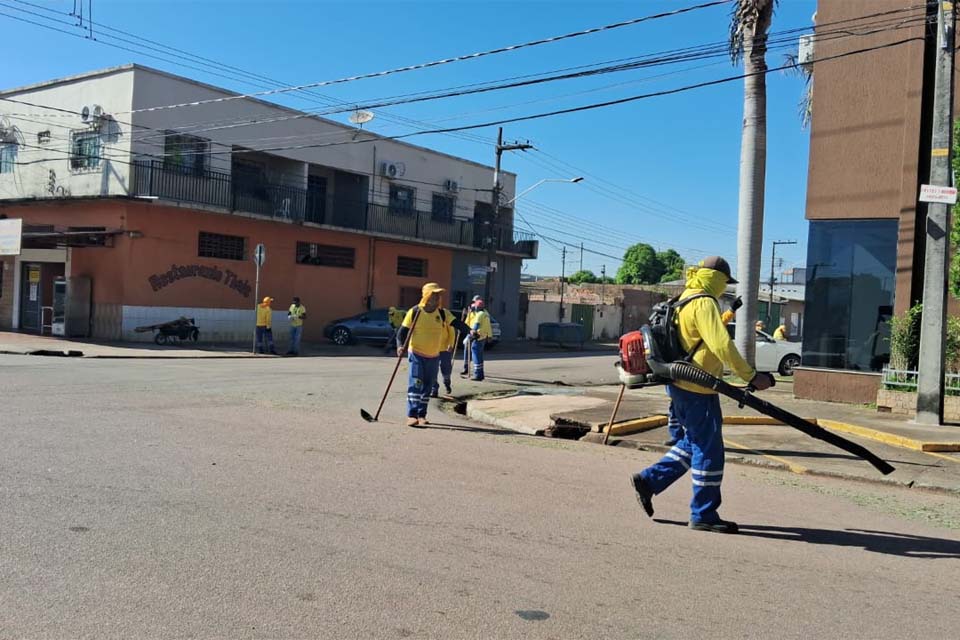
(32, 180)
(607, 319)
(540, 311)
(215, 325)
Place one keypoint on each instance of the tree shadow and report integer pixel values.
(886, 542)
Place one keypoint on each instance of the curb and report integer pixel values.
(891, 439)
(482, 416)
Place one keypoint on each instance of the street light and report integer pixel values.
(537, 184)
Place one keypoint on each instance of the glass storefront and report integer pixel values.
(849, 295)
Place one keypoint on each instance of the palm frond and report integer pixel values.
(743, 18)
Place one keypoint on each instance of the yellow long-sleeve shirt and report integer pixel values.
(700, 324)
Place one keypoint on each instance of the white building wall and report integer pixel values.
(215, 325)
(44, 170)
(607, 321)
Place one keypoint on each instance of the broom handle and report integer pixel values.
(406, 344)
(613, 416)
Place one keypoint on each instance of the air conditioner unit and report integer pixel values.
(451, 186)
(806, 49)
(392, 169)
(92, 114)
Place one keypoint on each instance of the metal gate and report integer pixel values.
(583, 314)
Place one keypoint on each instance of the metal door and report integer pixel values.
(583, 314)
(31, 297)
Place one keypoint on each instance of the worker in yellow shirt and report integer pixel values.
(780, 333)
(708, 344)
(296, 313)
(395, 318)
(480, 332)
(446, 361)
(427, 326)
(265, 327)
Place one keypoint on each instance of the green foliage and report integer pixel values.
(955, 225)
(581, 277)
(905, 340)
(643, 265)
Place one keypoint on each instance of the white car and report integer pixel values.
(775, 356)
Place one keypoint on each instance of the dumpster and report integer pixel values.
(562, 333)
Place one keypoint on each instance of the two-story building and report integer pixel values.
(143, 195)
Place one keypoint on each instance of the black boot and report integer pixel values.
(644, 494)
(720, 526)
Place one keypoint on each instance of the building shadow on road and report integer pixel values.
(887, 542)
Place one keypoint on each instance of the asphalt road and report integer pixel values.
(247, 499)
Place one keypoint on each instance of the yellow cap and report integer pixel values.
(431, 287)
(267, 300)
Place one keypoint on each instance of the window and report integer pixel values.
(186, 153)
(401, 200)
(217, 245)
(325, 255)
(849, 299)
(443, 207)
(8, 157)
(85, 150)
(43, 137)
(415, 267)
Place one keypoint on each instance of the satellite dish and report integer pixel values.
(360, 117)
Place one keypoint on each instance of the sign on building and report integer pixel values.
(11, 233)
(934, 193)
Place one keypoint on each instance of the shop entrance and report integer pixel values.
(36, 295)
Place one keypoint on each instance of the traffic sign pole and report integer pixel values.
(259, 256)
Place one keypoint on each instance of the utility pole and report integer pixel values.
(492, 228)
(935, 265)
(603, 282)
(581, 256)
(773, 260)
(563, 275)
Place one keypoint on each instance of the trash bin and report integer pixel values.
(562, 333)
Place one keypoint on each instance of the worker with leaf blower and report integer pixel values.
(702, 335)
(674, 428)
(423, 334)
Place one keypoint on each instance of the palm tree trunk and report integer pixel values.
(753, 169)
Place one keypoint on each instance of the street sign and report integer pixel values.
(493, 265)
(11, 232)
(477, 270)
(934, 193)
(260, 254)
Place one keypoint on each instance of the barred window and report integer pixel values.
(325, 255)
(401, 200)
(8, 157)
(85, 150)
(443, 207)
(218, 245)
(415, 267)
(184, 152)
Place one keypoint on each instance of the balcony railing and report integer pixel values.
(219, 189)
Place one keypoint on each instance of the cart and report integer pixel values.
(175, 331)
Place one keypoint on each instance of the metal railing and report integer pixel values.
(222, 190)
(906, 380)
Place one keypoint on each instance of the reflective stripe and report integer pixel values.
(678, 459)
(680, 452)
(707, 473)
(703, 483)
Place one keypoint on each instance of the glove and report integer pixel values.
(762, 380)
(736, 304)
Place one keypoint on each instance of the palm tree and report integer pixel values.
(749, 24)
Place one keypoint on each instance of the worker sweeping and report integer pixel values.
(446, 362)
(427, 325)
(704, 338)
(264, 332)
(395, 318)
(467, 339)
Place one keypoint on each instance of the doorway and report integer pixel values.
(36, 292)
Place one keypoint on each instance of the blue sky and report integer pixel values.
(669, 165)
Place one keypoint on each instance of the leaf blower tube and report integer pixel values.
(642, 365)
(689, 373)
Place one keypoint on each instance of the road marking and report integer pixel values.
(796, 468)
(889, 438)
(635, 426)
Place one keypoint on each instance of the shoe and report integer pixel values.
(720, 526)
(449, 390)
(413, 422)
(422, 422)
(644, 494)
(671, 442)
(477, 379)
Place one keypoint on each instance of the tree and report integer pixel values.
(673, 265)
(749, 26)
(583, 276)
(640, 266)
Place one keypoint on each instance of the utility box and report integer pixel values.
(58, 321)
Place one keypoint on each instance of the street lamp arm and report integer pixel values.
(537, 184)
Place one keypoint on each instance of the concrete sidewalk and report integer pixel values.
(923, 456)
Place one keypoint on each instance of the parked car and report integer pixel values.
(370, 326)
(774, 355)
(374, 327)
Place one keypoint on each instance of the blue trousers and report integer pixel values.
(445, 369)
(265, 340)
(700, 451)
(423, 375)
(295, 334)
(476, 354)
(674, 427)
